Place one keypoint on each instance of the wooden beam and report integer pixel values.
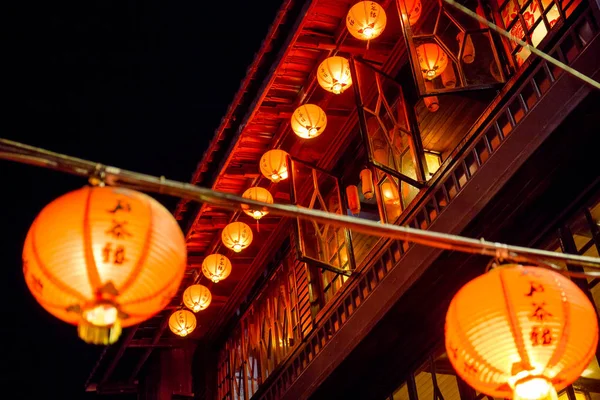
(163, 342)
(112, 388)
(328, 44)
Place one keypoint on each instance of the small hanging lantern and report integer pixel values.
(413, 9)
(366, 183)
(468, 55)
(216, 267)
(236, 236)
(431, 102)
(520, 332)
(182, 322)
(308, 121)
(448, 79)
(353, 199)
(366, 20)
(432, 59)
(273, 165)
(197, 297)
(333, 74)
(103, 258)
(258, 194)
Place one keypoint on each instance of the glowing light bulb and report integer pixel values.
(533, 388)
(101, 315)
(336, 88)
(390, 194)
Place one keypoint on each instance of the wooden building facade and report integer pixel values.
(502, 148)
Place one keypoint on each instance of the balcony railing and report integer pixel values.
(484, 140)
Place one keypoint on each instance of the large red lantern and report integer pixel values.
(366, 20)
(522, 332)
(236, 236)
(433, 60)
(182, 322)
(103, 258)
(333, 74)
(273, 165)
(257, 193)
(308, 121)
(197, 297)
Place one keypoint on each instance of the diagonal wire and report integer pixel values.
(533, 49)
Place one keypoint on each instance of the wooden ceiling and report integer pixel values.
(443, 130)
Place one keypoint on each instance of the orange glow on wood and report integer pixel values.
(433, 60)
(520, 332)
(273, 165)
(258, 194)
(197, 297)
(216, 267)
(182, 322)
(236, 236)
(104, 258)
(366, 20)
(333, 74)
(308, 121)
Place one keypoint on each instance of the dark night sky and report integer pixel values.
(137, 84)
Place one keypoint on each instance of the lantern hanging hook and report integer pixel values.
(98, 176)
(493, 263)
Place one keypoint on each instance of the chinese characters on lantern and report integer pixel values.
(114, 252)
(540, 334)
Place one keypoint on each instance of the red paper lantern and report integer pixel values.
(103, 258)
(522, 332)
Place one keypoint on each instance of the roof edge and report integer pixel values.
(229, 116)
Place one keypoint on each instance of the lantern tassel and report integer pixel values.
(102, 335)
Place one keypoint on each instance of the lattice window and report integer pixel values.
(394, 150)
(530, 21)
(264, 337)
(449, 50)
(224, 377)
(323, 246)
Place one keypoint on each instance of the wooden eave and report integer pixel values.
(258, 120)
(319, 33)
